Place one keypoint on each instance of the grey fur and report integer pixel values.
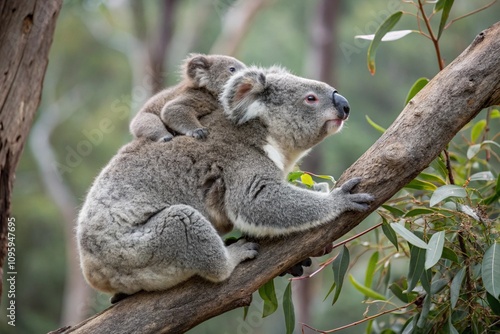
(179, 108)
(154, 215)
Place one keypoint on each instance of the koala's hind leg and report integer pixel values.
(175, 244)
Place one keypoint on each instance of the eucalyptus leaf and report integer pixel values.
(390, 36)
(420, 185)
(494, 303)
(268, 295)
(449, 254)
(417, 263)
(307, 180)
(482, 176)
(366, 291)
(434, 249)
(456, 286)
(419, 212)
(395, 211)
(374, 125)
(340, 266)
(490, 270)
(445, 192)
(389, 233)
(477, 129)
(444, 16)
(417, 87)
(424, 312)
(370, 269)
(288, 309)
(382, 30)
(408, 235)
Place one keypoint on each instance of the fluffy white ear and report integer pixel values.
(241, 95)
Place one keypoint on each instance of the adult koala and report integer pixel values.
(153, 216)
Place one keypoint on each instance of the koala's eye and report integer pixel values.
(232, 69)
(311, 98)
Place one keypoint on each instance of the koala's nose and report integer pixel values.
(341, 105)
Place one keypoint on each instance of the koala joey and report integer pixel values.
(178, 108)
(154, 216)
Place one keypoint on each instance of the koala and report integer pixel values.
(178, 108)
(155, 215)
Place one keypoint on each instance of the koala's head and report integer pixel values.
(210, 71)
(297, 112)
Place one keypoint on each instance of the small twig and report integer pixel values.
(469, 14)
(431, 34)
(359, 321)
(448, 166)
(327, 262)
(485, 134)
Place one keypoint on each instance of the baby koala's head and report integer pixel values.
(210, 71)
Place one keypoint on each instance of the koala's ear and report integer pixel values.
(241, 98)
(196, 69)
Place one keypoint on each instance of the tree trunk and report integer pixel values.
(26, 32)
(454, 97)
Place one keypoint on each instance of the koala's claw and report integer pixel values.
(356, 201)
(165, 138)
(200, 133)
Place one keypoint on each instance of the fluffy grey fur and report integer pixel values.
(154, 215)
(179, 108)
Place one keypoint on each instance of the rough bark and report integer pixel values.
(426, 125)
(26, 32)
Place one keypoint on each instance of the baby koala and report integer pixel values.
(177, 110)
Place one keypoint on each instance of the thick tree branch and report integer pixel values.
(26, 31)
(426, 125)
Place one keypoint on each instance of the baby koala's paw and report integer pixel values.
(165, 138)
(199, 133)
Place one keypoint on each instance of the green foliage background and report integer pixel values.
(98, 79)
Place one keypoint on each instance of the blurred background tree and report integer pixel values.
(109, 56)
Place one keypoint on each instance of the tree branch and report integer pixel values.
(429, 121)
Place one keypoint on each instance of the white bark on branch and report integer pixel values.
(454, 97)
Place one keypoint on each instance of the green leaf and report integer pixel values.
(477, 129)
(245, 312)
(389, 233)
(420, 185)
(370, 269)
(439, 5)
(490, 270)
(340, 266)
(494, 303)
(374, 125)
(384, 28)
(495, 113)
(307, 180)
(449, 254)
(439, 166)
(365, 290)
(419, 212)
(288, 309)
(417, 87)
(473, 150)
(447, 191)
(293, 176)
(395, 211)
(456, 286)
(482, 176)
(444, 16)
(431, 178)
(434, 249)
(425, 280)
(398, 292)
(408, 235)
(268, 295)
(417, 262)
(451, 328)
(424, 312)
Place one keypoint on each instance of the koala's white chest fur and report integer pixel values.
(275, 153)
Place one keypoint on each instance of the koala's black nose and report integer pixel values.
(341, 105)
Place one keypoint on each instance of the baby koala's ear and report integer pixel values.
(196, 69)
(242, 95)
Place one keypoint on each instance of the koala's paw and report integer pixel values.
(165, 138)
(349, 201)
(297, 269)
(243, 250)
(200, 133)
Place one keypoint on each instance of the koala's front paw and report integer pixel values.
(349, 201)
(200, 133)
(165, 138)
(243, 250)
